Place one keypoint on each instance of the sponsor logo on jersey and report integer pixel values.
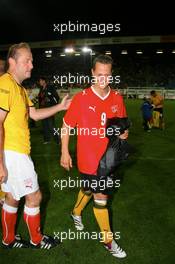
(84, 92)
(92, 108)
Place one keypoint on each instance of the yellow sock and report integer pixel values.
(82, 201)
(102, 217)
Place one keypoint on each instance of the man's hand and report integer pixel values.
(3, 173)
(124, 135)
(65, 103)
(66, 161)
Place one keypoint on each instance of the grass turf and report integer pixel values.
(142, 209)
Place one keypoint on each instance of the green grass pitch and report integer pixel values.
(142, 209)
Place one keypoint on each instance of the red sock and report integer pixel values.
(8, 223)
(33, 224)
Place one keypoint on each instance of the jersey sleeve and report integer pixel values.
(121, 107)
(5, 98)
(29, 102)
(71, 117)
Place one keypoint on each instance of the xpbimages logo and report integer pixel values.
(101, 28)
(69, 182)
(83, 79)
(71, 235)
(102, 132)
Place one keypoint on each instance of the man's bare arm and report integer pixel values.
(3, 171)
(66, 161)
(38, 114)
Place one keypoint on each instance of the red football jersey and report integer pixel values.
(88, 112)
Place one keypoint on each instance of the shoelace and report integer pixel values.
(119, 249)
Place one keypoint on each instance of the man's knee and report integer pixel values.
(9, 200)
(33, 199)
(100, 201)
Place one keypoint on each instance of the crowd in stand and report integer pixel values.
(132, 72)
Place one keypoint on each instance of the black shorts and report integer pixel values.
(160, 110)
(97, 184)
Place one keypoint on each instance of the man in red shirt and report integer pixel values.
(89, 112)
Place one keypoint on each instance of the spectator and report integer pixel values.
(48, 97)
(157, 102)
(146, 109)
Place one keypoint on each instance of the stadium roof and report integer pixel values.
(99, 41)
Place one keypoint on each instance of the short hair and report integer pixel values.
(42, 78)
(104, 59)
(153, 92)
(13, 51)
